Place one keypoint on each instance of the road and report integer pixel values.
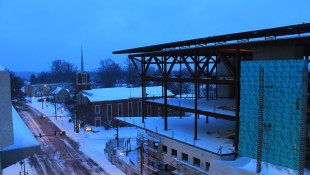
(59, 154)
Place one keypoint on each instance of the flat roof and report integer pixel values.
(213, 137)
(220, 108)
(120, 93)
(220, 40)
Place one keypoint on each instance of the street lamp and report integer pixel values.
(61, 111)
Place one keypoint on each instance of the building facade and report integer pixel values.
(61, 95)
(6, 124)
(99, 107)
(38, 90)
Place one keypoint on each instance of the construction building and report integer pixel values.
(261, 80)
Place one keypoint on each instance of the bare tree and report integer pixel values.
(132, 76)
(109, 73)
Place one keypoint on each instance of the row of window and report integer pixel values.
(184, 156)
(120, 109)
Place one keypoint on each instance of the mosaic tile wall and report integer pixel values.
(284, 104)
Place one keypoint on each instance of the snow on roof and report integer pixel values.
(22, 135)
(24, 145)
(58, 89)
(219, 106)
(212, 136)
(119, 93)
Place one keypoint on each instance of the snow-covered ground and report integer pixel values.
(92, 144)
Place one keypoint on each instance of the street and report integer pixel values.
(59, 154)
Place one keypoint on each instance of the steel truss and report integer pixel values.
(201, 69)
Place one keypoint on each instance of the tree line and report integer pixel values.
(108, 74)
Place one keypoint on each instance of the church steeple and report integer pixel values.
(82, 60)
(82, 77)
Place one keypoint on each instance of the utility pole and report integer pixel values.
(141, 158)
(42, 98)
(55, 105)
(117, 135)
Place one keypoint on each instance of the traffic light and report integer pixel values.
(40, 135)
(55, 133)
(61, 133)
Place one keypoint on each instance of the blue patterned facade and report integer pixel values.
(285, 88)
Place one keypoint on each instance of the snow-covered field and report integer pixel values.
(92, 144)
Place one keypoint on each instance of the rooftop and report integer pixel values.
(120, 93)
(213, 136)
(227, 44)
(24, 145)
(221, 108)
(58, 89)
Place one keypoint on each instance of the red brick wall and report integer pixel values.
(155, 111)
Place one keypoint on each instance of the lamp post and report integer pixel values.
(42, 94)
(42, 98)
(62, 109)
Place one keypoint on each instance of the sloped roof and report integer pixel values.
(58, 89)
(24, 145)
(120, 93)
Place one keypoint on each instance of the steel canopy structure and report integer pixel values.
(210, 61)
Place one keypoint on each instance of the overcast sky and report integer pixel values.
(33, 33)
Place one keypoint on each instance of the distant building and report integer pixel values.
(100, 106)
(38, 90)
(61, 95)
(16, 141)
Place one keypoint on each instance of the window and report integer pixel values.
(140, 108)
(109, 111)
(130, 109)
(156, 145)
(97, 109)
(164, 148)
(207, 165)
(84, 78)
(120, 109)
(174, 152)
(185, 157)
(196, 161)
